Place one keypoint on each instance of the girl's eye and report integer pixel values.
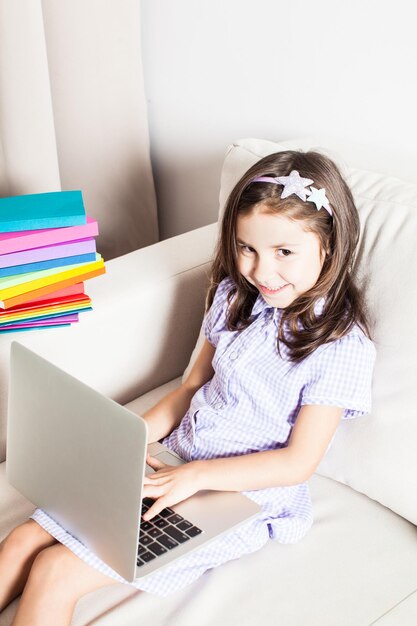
(284, 252)
(246, 248)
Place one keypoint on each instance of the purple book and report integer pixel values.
(46, 253)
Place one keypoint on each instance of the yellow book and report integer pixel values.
(46, 281)
(26, 298)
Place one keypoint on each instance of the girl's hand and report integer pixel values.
(169, 484)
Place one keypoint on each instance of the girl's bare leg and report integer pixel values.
(17, 554)
(57, 580)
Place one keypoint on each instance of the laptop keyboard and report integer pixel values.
(165, 531)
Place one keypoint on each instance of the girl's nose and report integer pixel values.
(265, 271)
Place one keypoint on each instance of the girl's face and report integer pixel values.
(277, 256)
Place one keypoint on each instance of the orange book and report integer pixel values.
(46, 289)
(72, 291)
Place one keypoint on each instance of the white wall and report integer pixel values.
(219, 70)
(73, 113)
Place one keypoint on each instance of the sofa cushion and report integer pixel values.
(140, 405)
(375, 454)
(351, 534)
(403, 613)
(358, 562)
(354, 539)
(14, 508)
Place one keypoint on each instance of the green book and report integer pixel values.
(7, 282)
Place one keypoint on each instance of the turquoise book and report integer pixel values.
(54, 209)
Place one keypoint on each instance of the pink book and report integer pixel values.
(28, 239)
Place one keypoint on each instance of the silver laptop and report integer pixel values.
(81, 457)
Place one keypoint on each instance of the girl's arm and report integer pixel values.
(168, 412)
(310, 438)
(311, 435)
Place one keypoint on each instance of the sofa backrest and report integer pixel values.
(147, 310)
(374, 454)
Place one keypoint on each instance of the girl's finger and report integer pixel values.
(156, 508)
(155, 479)
(152, 491)
(154, 463)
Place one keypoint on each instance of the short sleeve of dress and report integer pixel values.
(215, 319)
(341, 375)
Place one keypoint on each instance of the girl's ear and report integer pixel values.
(326, 252)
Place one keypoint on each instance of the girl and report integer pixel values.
(286, 356)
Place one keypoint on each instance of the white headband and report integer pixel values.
(295, 184)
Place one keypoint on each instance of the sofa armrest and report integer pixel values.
(147, 311)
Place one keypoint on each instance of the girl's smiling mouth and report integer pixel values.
(271, 292)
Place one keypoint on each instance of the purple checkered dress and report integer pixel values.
(249, 405)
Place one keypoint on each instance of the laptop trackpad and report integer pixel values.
(165, 457)
(169, 459)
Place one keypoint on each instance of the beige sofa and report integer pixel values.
(358, 564)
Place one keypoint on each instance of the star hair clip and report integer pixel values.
(295, 184)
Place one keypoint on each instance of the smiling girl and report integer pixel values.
(286, 356)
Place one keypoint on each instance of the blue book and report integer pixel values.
(44, 265)
(42, 210)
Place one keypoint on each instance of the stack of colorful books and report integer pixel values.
(47, 250)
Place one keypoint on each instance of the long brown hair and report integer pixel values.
(338, 236)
